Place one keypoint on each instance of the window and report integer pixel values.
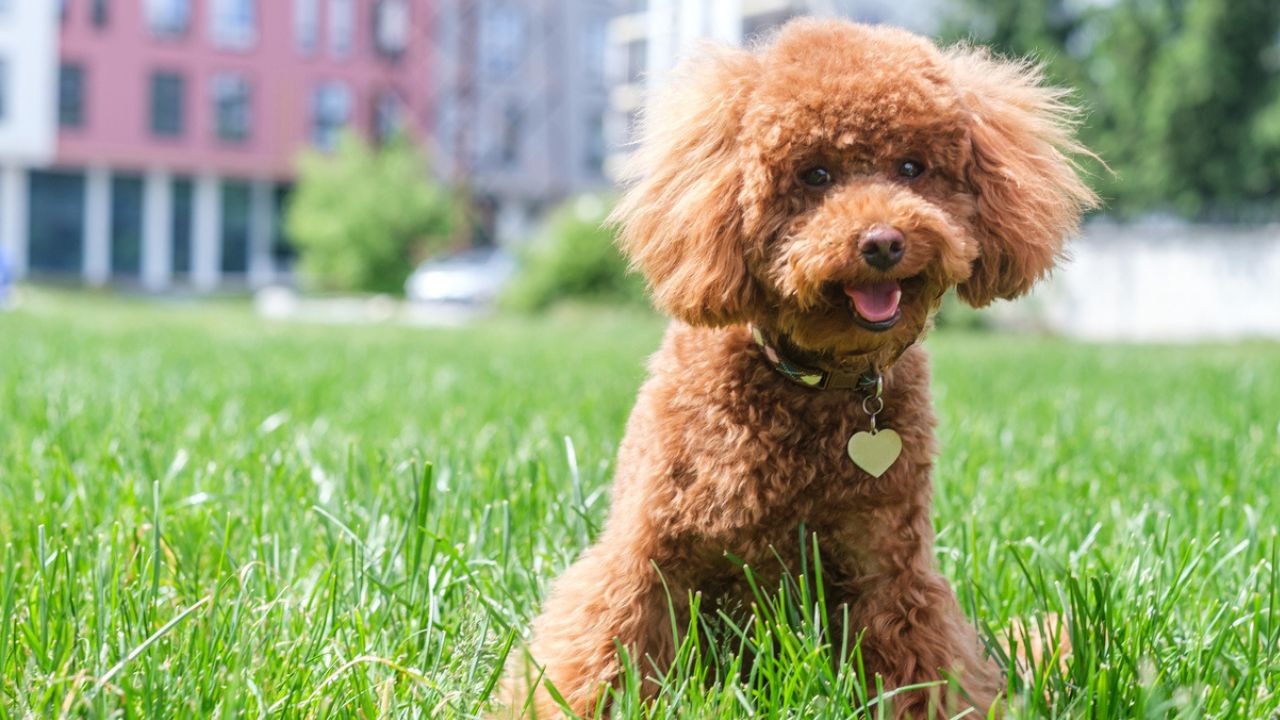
(594, 42)
(180, 227)
(391, 27)
(637, 57)
(595, 144)
(342, 21)
(502, 44)
(330, 112)
(71, 95)
(235, 23)
(236, 202)
(388, 116)
(126, 226)
(56, 208)
(231, 107)
(282, 250)
(167, 91)
(756, 26)
(513, 120)
(169, 18)
(306, 25)
(100, 13)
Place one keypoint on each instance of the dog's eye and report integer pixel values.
(816, 177)
(910, 169)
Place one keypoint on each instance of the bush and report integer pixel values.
(363, 217)
(574, 257)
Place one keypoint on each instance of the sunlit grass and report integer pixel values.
(203, 513)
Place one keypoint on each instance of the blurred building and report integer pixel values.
(152, 142)
(520, 101)
(648, 37)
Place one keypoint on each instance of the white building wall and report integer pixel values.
(28, 49)
(28, 131)
(1170, 282)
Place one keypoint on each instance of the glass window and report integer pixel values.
(282, 251)
(167, 91)
(594, 41)
(637, 58)
(57, 222)
(71, 95)
(168, 18)
(180, 231)
(342, 21)
(512, 130)
(100, 13)
(502, 32)
(391, 27)
(330, 113)
(235, 227)
(232, 107)
(388, 116)
(595, 144)
(306, 25)
(126, 226)
(756, 26)
(235, 23)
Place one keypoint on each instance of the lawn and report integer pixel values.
(207, 514)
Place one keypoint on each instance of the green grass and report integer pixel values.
(205, 514)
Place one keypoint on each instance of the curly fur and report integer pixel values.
(722, 454)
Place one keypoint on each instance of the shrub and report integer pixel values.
(363, 217)
(573, 256)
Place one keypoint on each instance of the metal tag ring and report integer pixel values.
(866, 405)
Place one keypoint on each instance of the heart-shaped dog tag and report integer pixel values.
(875, 451)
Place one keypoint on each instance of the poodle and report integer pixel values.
(800, 210)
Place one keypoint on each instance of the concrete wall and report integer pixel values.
(1166, 283)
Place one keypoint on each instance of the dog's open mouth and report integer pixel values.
(877, 306)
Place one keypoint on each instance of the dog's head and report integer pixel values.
(833, 185)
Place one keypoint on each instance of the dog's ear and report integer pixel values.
(1028, 190)
(680, 221)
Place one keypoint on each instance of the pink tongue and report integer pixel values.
(877, 302)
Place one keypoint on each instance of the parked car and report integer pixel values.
(472, 277)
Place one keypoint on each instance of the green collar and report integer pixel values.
(814, 378)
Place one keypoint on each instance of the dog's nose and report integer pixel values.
(882, 246)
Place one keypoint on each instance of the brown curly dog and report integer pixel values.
(800, 210)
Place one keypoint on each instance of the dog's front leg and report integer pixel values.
(610, 597)
(914, 633)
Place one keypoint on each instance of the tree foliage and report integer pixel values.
(363, 217)
(1182, 96)
(574, 257)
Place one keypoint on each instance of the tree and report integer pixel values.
(362, 217)
(1183, 96)
(574, 256)
(1208, 84)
